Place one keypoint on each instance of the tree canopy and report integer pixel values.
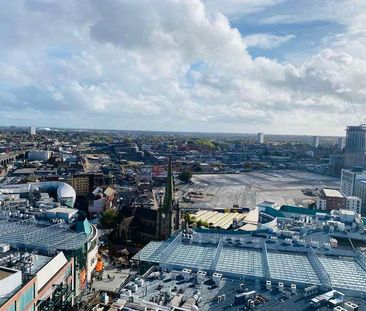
(109, 218)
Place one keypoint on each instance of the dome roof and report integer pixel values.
(66, 193)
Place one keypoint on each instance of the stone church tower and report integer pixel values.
(169, 213)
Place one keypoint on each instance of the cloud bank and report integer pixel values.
(175, 65)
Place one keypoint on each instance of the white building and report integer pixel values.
(360, 191)
(39, 155)
(348, 181)
(10, 280)
(354, 204)
(321, 204)
(64, 213)
(341, 142)
(33, 130)
(315, 141)
(260, 138)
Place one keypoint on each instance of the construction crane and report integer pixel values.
(356, 111)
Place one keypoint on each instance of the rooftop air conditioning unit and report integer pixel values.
(216, 277)
(281, 287)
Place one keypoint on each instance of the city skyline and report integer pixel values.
(186, 66)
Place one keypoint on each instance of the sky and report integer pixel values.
(238, 66)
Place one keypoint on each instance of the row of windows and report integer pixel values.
(24, 300)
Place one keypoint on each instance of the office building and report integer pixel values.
(360, 192)
(335, 164)
(39, 155)
(354, 204)
(315, 141)
(36, 282)
(355, 148)
(341, 141)
(331, 199)
(85, 183)
(348, 180)
(260, 138)
(32, 130)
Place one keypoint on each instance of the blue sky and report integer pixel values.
(277, 66)
(306, 41)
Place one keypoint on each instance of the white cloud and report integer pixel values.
(266, 41)
(170, 65)
(235, 8)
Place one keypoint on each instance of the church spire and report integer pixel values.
(169, 188)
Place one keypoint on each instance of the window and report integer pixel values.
(26, 298)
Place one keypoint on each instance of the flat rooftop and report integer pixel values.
(64, 210)
(180, 293)
(333, 193)
(217, 219)
(5, 272)
(255, 258)
(40, 236)
(25, 171)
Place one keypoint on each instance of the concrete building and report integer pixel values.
(341, 142)
(39, 155)
(32, 130)
(331, 199)
(10, 280)
(355, 148)
(348, 180)
(37, 282)
(85, 183)
(360, 192)
(65, 193)
(232, 255)
(101, 200)
(354, 204)
(260, 138)
(315, 141)
(335, 164)
(64, 213)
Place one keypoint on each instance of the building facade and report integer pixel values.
(32, 130)
(348, 180)
(331, 199)
(355, 148)
(360, 192)
(260, 138)
(354, 204)
(152, 218)
(50, 287)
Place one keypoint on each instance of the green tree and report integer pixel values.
(109, 218)
(201, 223)
(185, 176)
(312, 205)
